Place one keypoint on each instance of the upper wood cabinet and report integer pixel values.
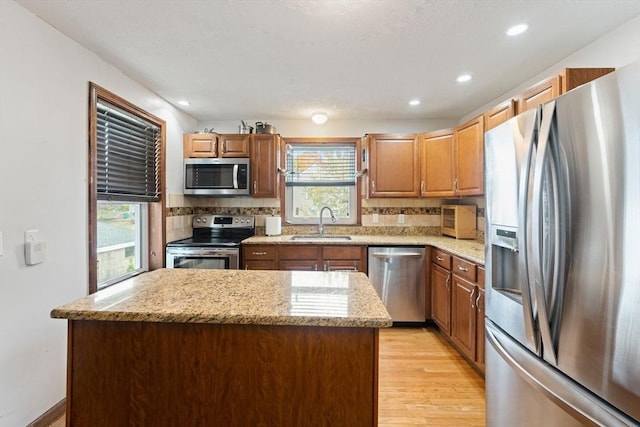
(215, 145)
(568, 79)
(234, 145)
(452, 162)
(264, 154)
(394, 168)
(469, 158)
(436, 164)
(200, 144)
(499, 114)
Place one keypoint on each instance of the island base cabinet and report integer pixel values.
(170, 374)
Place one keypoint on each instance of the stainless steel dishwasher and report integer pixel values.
(398, 275)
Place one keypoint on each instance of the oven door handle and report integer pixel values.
(212, 252)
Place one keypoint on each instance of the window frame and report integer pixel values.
(154, 219)
(285, 203)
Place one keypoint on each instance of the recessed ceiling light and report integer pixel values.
(184, 103)
(517, 29)
(464, 78)
(319, 118)
(414, 102)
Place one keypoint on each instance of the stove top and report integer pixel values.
(218, 230)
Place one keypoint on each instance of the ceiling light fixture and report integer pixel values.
(414, 102)
(517, 30)
(464, 78)
(184, 103)
(319, 118)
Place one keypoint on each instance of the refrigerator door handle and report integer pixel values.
(523, 252)
(581, 405)
(543, 156)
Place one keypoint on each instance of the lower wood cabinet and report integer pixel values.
(259, 257)
(457, 303)
(305, 257)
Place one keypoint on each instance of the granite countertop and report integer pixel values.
(339, 299)
(472, 250)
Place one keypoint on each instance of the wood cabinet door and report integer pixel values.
(441, 297)
(200, 145)
(298, 265)
(394, 168)
(264, 165)
(260, 265)
(480, 329)
(344, 258)
(539, 94)
(499, 114)
(436, 164)
(469, 158)
(463, 316)
(235, 145)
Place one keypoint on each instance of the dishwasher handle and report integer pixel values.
(396, 255)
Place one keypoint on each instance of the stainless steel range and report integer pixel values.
(215, 243)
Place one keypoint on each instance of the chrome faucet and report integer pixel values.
(320, 226)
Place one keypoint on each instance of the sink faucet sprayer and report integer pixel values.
(320, 226)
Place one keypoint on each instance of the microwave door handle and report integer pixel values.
(235, 177)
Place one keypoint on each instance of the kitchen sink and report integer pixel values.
(317, 237)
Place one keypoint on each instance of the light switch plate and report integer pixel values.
(375, 218)
(400, 218)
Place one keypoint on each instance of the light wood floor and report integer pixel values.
(423, 381)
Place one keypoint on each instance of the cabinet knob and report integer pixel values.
(461, 268)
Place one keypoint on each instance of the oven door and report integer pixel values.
(207, 258)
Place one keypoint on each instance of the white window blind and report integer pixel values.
(313, 165)
(128, 156)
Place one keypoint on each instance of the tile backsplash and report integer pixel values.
(378, 216)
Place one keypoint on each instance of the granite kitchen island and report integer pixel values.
(225, 348)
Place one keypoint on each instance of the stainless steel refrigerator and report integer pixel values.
(563, 259)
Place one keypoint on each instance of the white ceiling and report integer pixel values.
(354, 59)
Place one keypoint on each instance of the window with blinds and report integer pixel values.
(320, 165)
(128, 156)
(126, 168)
(319, 175)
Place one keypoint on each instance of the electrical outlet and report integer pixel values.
(30, 236)
(375, 218)
(400, 218)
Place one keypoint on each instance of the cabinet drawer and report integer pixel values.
(443, 259)
(464, 269)
(298, 252)
(260, 253)
(342, 252)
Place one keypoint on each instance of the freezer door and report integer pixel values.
(522, 390)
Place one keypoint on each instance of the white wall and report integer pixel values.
(43, 168)
(616, 49)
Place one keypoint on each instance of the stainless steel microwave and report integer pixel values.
(216, 177)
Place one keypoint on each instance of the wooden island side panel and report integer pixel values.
(191, 374)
